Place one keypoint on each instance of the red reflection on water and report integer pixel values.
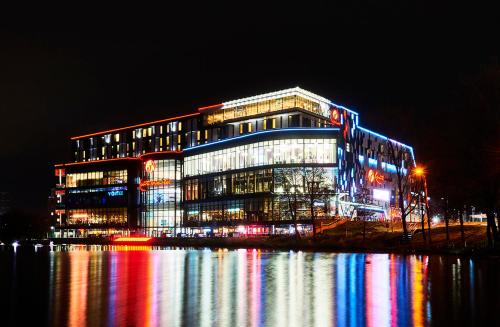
(129, 286)
(78, 288)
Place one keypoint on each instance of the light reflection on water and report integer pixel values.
(236, 288)
(140, 286)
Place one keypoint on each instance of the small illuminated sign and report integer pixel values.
(132, 239)
(335, 116)
(150, 166)
(375, 177)
(382, 195)
(144, 185)
(115, 193)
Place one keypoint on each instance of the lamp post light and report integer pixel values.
(420, 172)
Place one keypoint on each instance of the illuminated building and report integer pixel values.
(216, 169)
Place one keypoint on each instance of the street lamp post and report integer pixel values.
(420, 172)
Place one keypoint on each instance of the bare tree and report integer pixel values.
(317, 189)
(303, 187)
(288, 187)
(407, 195)
(364, 198)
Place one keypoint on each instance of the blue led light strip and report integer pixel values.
(389, 139)
(326, 129)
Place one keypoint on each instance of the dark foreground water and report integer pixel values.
(92, 286)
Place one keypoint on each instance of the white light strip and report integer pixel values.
(280, 94)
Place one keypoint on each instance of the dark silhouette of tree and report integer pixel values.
(405, 183)
(303, 187)
(480, 103)
(317, 190)
(288, 187)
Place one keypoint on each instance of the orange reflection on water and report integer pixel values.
(395, 292)
(78, 288)
(129, 286)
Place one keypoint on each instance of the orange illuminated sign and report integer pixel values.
(150, 166)
(335, 116)
(132, 239)
(375, 177)
(144, 185)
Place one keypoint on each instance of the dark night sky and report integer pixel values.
(398, 65)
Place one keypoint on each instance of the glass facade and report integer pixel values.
(248, 182)
(266, 106)
(95, 178)
(161, 196)
(220, 199)
(99, 216)
(288, 151)
(230, 212)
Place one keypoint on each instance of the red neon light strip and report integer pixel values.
(159, 152)
(133, 126)
(94, 161)
(215, 106)
(133, 239)
(143, 186)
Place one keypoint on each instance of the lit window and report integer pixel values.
(133, 135)
(117, 137)
(144, 131)
(241, 128)
(264, 124)
(198, 135)
(273, 122)
(180, 126)
(250, 127)
(206, 134)
(150, 131)
(179, 138)
(161, 129)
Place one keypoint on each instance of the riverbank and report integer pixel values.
(346, 238)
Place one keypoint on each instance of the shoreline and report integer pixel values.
(320, 244)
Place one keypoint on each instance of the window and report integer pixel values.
(293, 121)
(306, 122)
(262, 153)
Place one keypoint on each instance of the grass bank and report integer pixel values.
(346, 237)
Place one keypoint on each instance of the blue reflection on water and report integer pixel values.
(144, 286)
(136, 286)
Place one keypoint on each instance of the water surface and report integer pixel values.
(134, 286)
